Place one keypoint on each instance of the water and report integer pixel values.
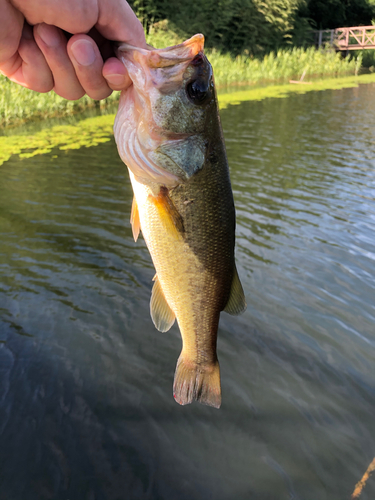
(86, 406)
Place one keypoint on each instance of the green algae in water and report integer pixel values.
(93, 131)
(280, 91)
(85, 133)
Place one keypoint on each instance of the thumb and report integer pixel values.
(116, 74)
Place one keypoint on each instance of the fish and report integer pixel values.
(168, 133)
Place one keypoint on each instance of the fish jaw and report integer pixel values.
(156, 117)
(136, 143)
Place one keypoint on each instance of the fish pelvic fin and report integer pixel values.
(197, 382)
(134, 219)
(161, 314)
(236, 303)
(168, 213)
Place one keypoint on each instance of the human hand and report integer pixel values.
(35, 52)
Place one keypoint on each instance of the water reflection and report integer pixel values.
(86, 410)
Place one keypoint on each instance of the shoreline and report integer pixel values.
(227, 94)
(19, 105)
(76, 131)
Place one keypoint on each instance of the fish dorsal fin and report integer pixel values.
(134, 219)
(161, 314)
(236, 303)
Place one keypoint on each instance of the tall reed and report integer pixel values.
(18, 104)
(277, 66)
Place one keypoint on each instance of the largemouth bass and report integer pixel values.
(169, 135)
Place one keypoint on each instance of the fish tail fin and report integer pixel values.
(197, 382)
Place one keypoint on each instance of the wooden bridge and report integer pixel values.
(355, 38)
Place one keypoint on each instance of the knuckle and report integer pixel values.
(11, 66)
(98, 95)
(72, 95)
(41, 87)
(85, 17)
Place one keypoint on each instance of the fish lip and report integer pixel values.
(169, 56)
(121, 47)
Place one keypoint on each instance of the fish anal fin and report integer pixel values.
(197, 382)
(134, 219)
(236, 303)
(161, 314)
(168, 212)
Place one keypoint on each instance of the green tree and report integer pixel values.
(329, 14)
(254, 26)
(230, 25)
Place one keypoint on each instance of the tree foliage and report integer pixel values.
(329, 14)
(254, 26)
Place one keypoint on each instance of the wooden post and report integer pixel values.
(320, 38)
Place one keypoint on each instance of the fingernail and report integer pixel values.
(83, 52)
(49, 35)
(116, 79)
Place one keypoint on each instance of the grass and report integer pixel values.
(19, 105)
(368, 58)
(280, 66)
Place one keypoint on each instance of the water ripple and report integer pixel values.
(86, 406)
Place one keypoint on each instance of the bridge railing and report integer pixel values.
(353, 38)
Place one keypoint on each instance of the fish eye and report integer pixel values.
(197, 91)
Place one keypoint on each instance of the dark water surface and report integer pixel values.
(86, 405)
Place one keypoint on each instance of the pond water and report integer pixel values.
(86, 405)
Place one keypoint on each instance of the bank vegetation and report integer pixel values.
(248, 42)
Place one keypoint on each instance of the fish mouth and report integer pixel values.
(184, 52)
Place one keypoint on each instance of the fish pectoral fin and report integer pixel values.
(168, 213)
(236, 303)
(161, 314)
(134, 219)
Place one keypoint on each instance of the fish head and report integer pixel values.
(161, 124)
